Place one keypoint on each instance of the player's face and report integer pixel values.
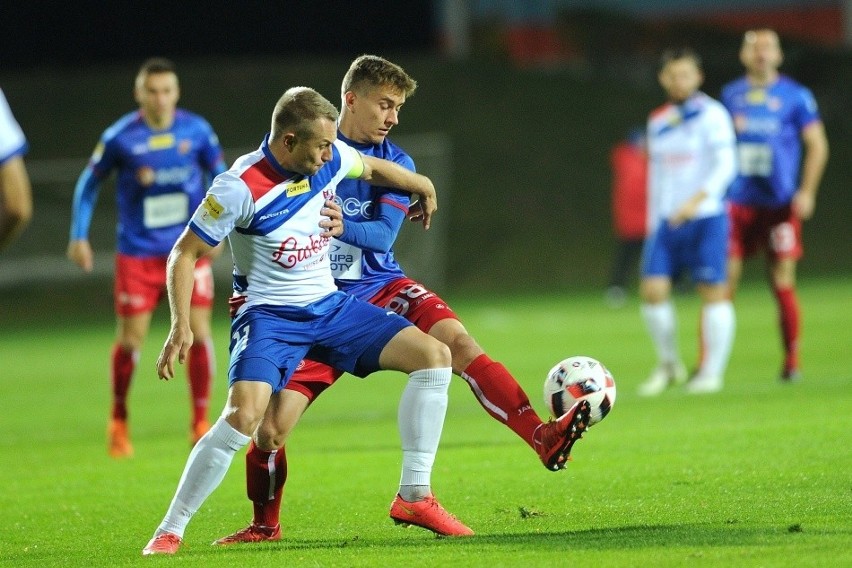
(372, 114)
(157, 95)
(680, 78)
(761, 53)
(309, 155)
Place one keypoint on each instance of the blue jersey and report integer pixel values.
(768, 122)
(162, 177)
(360, 271)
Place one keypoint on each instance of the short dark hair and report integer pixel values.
(296, 108)
(675, 53)
(374, 71)
(157, 65)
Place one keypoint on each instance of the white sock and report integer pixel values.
(717, 330)
(662, 325)
(205, 468)
(422, 409)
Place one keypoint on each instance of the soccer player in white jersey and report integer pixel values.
(691, 164)
(783, 152)
(16, 202)
(270, 207)
(373, 92)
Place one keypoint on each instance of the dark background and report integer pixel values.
(529, 122)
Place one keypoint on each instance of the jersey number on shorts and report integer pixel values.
(400, 303)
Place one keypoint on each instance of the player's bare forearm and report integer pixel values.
(813, 167)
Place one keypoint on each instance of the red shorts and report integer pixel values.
(140, 284)
(777, 231)
(408, 298)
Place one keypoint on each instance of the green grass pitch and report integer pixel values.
(757, 475)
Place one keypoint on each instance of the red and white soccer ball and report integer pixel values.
(580, 378)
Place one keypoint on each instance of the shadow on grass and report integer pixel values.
(619, 538)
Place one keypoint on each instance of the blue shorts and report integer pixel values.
(267, 342)
(700, 245)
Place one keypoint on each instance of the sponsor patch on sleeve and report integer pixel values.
(213, 207)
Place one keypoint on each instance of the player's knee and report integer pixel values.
(269, 437)
(464, 349)
(436, 354)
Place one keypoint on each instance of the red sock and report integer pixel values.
(788, 312)
(200, 371)
(266, 473)
(502, 397)
(123, 364)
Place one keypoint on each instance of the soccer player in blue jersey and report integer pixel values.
(271, 205)
(373, 92)
(692, 162)
(165, 156)
(783, 151)
(16, 201)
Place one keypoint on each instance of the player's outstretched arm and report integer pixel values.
(179, 283)
(388, 174)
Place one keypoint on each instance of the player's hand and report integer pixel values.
(80, 253)
(686, 212)
(176, 347)
(333, 226)
(422, 210)
(803, 205)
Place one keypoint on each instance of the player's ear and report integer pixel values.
(289, 141)
(349, 99)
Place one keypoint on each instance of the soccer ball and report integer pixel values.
(580, 378)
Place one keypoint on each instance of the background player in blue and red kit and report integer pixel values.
(165, 157)
(776, 119)
(373, 92)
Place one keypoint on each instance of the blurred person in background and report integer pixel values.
(783, 152)
(165, 157)
(373, 92)
(16, 201)
(692, 162)
(629, 166)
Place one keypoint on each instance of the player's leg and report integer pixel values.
(503, 398)
(260, 355)
(209, 461)
(422, 409)
(130, 334)
(661, 321)
(718, 322)
(784, 250)
(659, 264)
(266, 459)
(139, 285)
(708, 259)
(201, 361)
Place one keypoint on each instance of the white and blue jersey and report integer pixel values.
(690, 150)
(12, 140)
(271, 217)
(291, 308)
(162, 177)
(363, 264)
(769, 122)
